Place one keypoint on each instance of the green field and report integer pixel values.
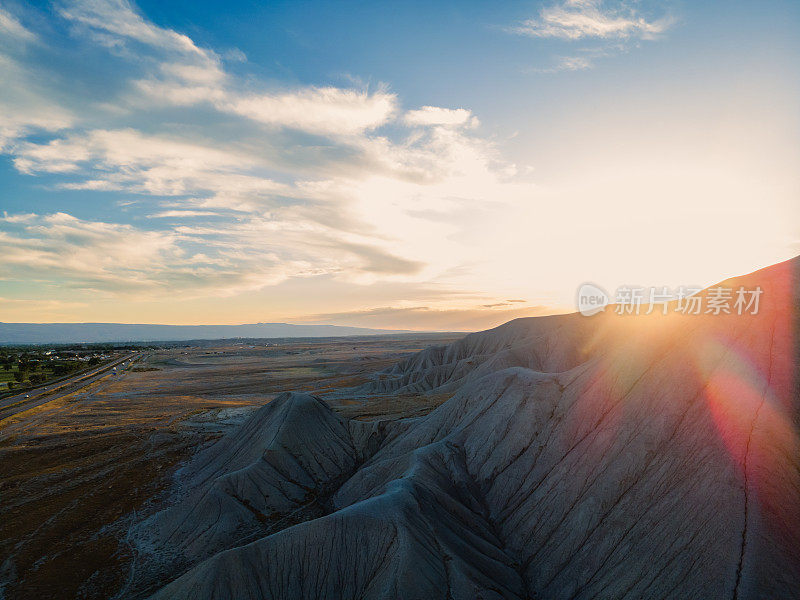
(46, 369)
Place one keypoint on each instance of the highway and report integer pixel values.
(32, 398)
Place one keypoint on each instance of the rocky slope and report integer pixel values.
(277, 469)
(603, 457)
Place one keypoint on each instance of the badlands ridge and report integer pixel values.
(578, 457)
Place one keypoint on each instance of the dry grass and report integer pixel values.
(77, 469)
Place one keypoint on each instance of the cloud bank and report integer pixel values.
(226, 184)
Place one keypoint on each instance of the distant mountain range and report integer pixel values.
(66, 333)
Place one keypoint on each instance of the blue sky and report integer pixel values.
(415, 165)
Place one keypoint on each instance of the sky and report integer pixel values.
(419, 165)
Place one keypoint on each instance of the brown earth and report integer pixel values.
(79, 469)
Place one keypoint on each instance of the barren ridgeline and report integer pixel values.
(82, 463)
(395, 300)
(610, 456)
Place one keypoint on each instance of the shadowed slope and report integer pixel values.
(546, 344)
(619, 457)
(277, 469)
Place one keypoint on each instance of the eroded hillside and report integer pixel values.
(605, 457)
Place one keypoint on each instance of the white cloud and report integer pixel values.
(190, 75)
(180, 214)
(361, 205)
(26, 104)
(574, 63)
(434, 115)
(59, 245)
(318, 110)
(11, 28)
(118, 18)
(19, 218)
(374, 194)
(207, 74)
(126, 159)
(568, 63)
(579, 19)
(121, 259)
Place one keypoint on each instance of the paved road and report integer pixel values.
(14, 404)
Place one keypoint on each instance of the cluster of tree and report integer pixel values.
(29, 369)
(32, 368)
(65, 368)
(8, 361)
(64, 349)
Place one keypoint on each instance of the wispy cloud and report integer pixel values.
(90, 254)
(118, 21)
(118, 258)
(246, 186)
(127, 159)
(323, 111)
(318, 110)
(188, 75)
(10, 27)
(226, 181)
(180, 214)
(599, 28)
(568, 63)
(582, 19)
(447, 117)
(26, 104)
(469, 318)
